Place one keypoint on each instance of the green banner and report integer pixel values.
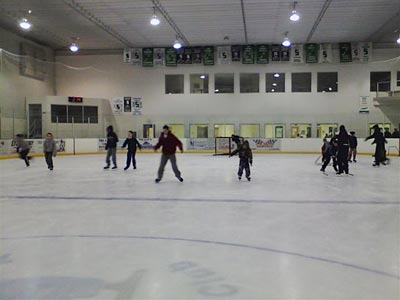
(147, 57)
(248, 54)
(345, 52)
(262, 53)
(208, 56)
(170, 57)
(312, 53)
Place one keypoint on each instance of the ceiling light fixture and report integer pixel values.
(177, 43)
(274, 84)
(24, 24)
(74, 47)
(276, 75)
(286, 42)
(155, 21)
(398, 40)
(294, 17)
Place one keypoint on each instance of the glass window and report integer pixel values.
(275, 82)
(58, 113)
(249, 82)
(327, 82)
(224, 130)
(398, 78)
(199, 83)
(224, 83)
(326, 130)
(178, 130)
(90, 114)
(380, 81)
(250, 130)
(75, 114)
(149, 131)
(300, 130)
(385, 127)
(274, 130)
(198, 131)
(174, 84)
(301, 82)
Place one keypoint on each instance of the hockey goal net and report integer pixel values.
(223, 146)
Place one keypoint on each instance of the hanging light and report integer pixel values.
(24, 24)
(74, 47)
(286, 42)
(398, 40)
(203, 76)
(276, 75)
(294, 17)
(177, 43)
(155, 21)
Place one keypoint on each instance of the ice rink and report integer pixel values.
(80, 232)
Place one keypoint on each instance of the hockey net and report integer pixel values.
(223, 146)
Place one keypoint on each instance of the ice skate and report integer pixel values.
(107, 167)
(115, 167)
(180, 179)
(248, 178)
(157, 180)
(126, 168)
(240, 177)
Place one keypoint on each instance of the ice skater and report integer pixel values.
(23, 149)
(237, 140)
(132, 144)
(245, 159)
(379, 141)
(328, 152)
(169, 143)
(50, 150)
(343, 150)
(111, 147)
(353, 146)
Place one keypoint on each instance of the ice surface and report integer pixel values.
(80, 232)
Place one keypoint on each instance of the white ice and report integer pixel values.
(80, 232)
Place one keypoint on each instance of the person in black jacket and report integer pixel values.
(111, 147)
(353, 146)
(343, 142)
(246, 158)
(379, 141)
(237, 140)
(132, 144)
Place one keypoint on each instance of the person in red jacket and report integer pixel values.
(169, 142)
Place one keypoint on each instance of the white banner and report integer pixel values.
(137, 106)
(201, 144)
(355, 52)
(159, 56)
(364, 107)
(297, 53)
(365, 51)
(224, 54)
(127, 55)
(325, 54)
(136, 56)
(117, 105)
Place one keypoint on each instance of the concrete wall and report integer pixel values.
(14, 88)
(112, 78)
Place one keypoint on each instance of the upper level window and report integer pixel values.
(380, 81)
(301, 82)
(174, 84)
(224, 83)
(275, 82)
(249, 82)
(327, 82)
(199, 83)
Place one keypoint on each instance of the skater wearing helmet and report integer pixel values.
(246, 158)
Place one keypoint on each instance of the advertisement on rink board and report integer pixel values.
(265, 144)
(201, 144)
(9, 147)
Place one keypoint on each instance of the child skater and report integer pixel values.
(246, 158)
(111, 147)
(23, 149)
(132, 144)
(353, 146)
(50, 150)
(328, 151)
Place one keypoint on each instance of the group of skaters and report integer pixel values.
(342, 149)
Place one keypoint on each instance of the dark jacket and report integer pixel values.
(395, 134)
(353, 141)
(387, 135)
(343, 139)
(244, 153)
(112, 138)
(168, 143)
(236, 139)
(378, 137)
(132, 143)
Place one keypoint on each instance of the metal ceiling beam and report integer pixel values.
(244, 21)
(319, 19)
(99, 23)
(390, 25)
(171, 22)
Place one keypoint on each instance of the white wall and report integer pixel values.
(14, 87)
(121, 79)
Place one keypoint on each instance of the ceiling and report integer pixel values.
(116, 24)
